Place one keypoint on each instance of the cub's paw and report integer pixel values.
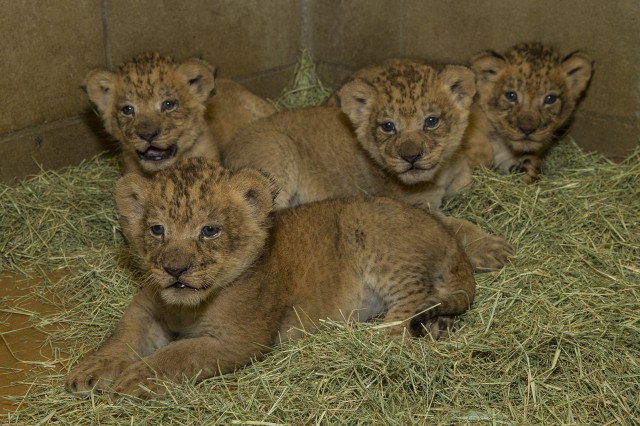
(437, 327)
(530, 166)
(138, 380)
(95, 373)
(488, 253)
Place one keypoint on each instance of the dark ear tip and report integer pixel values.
(275, 189)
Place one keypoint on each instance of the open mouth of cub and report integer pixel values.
(153, 153)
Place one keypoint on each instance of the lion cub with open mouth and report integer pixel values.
(229, 279)
(162, 111)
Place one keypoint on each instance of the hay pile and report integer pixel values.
(553, 338)
(305, 88)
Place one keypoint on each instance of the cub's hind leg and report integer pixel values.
(431, 304)
(485, 251)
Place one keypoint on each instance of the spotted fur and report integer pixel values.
(228, 279)
(526, 98)
(162, 111)
(156, 109)
(379, 143)
(329, 152)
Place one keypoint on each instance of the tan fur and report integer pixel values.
(324, 152)
(158, 110)
(525, 99)
(227, 280)
(233, 108)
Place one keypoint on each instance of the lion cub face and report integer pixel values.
(194, 239)
(153, 106)
(409, 117)
(529, 93)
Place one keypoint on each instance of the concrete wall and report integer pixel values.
(49, 46)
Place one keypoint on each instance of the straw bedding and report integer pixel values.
(553, 338)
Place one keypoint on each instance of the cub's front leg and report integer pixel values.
(138, 334)
(183, 360)
(530, 166)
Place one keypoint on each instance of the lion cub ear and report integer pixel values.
(460, 82)
(130, 198)
(200, 77)
(487, 66)
(257, 190)
(577, 68)
(355, 100)
(99, 85)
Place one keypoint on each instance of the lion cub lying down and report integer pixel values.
(400, 138)
(398, 135)
(525, 98)
(228, 279)
(161, 111)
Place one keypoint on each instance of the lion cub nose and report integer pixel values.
(528, 130)
(176, 270)
(149, 136)
(410, 151)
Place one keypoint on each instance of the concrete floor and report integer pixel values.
(23, 347)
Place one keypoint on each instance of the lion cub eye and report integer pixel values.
(168, 105)
(127, 110)
(511, 96)
(431, 122)
(550, 99)
(388, 127)
(210, 231)
(157, 230)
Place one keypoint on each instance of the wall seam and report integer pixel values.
(106, 33)
(43, 127)
(306, 36)
(403, 28)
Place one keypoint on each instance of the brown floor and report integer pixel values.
(22, 346)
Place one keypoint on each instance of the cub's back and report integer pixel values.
(361, 230)
(315, 147)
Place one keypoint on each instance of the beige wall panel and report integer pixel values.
(239, 36)
(608, 31)
(51, 147)
(611, 136)
(269, 86)
(455, 30)
(333, 77)
(44, 50)
(355, 33)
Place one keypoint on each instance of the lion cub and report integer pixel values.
(525, 98)
(161, 111)
(228, 279)
(398, 135)
(400, 138)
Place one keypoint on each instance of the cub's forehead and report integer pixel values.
(535, 54)
(407, 89)
(188, 193)
(405, 81)
(147, 74)
(533, 62)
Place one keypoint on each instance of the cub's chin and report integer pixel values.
(527, 146)
(415, 176)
